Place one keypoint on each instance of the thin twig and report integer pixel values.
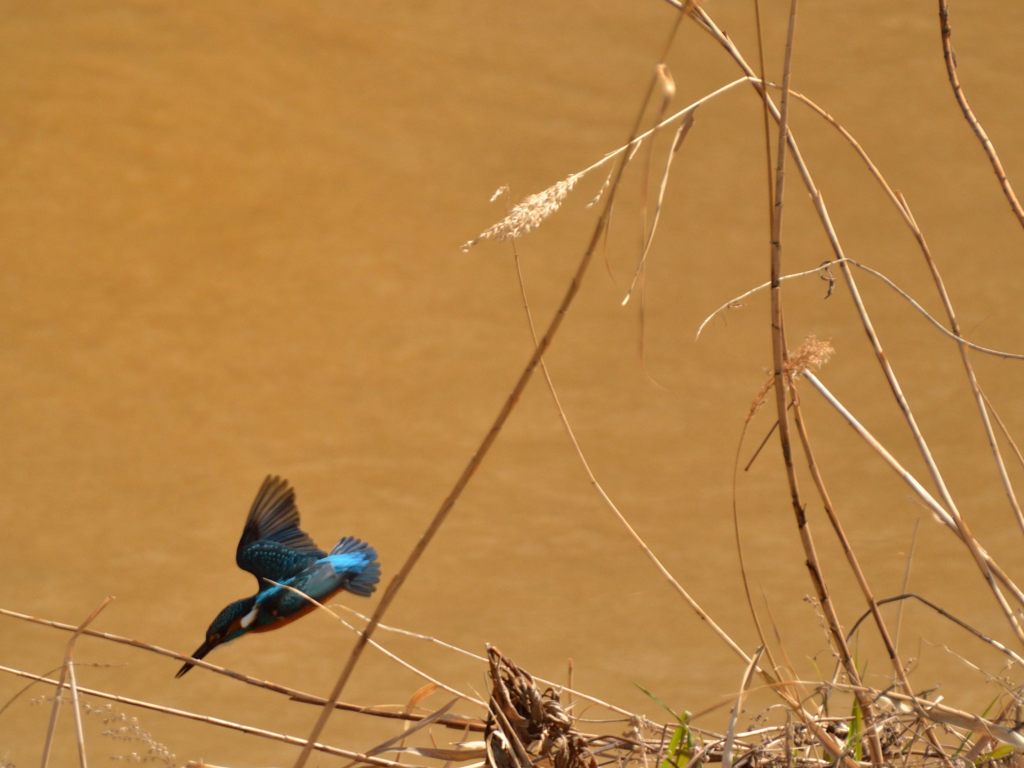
(961, 98)
(210, 720)
(67, 671)
(824, 268)
(730, 731)
(608, 501)
(292, 693)
(393, 656)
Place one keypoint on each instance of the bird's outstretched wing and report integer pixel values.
(272, 545)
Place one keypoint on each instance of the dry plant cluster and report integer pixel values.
(527, 722)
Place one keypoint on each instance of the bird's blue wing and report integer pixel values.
(272, 545)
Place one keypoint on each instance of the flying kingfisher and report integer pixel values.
(274, 549)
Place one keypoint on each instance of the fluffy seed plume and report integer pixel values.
(529, 214)
(811, 356)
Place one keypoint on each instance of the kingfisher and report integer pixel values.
(278, 553)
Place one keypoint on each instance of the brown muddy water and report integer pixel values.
(230, 239)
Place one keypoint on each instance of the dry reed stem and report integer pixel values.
(905, 583)
(210, 720)
(936, 508)
(67, 671)
(940, 713)
(990, 570)
(677, 142)
(766, 120)
(442, 513)
(780, 355)
(1006, 651)
(1006, 432)
(457, 722)
(430, 719)
(958, 92)
(667, 87)
(292, 693)
(741, 557)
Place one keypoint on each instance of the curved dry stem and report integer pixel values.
(67, 673)
(825, 268)
(1008, 652)
(961, 98)
(730, 731)
(595, 483)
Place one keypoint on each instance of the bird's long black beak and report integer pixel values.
(198, 653)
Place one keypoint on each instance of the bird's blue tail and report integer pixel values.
(359, 560)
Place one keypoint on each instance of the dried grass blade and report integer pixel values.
(730, 731)
(209, 720)
(958, 92)
(677, 142)
(428, 720)
(68, 671)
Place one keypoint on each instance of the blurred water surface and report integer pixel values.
(230, 247)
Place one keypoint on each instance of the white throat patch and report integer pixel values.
(250, 617)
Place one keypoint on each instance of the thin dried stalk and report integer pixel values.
(67, 671)
(862, 581)
(823, 270)
(1008, 652)
(677, 142)
(730, 731)
(210, 720)
(608, 501)
(992, 569)
(961, 98)
(780, 355)
(393, 656)
(292, 693)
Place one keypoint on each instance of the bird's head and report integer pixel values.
(223, 629)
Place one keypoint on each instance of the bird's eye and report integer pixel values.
(213, 638)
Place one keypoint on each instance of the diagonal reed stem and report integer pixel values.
(961, 98)
(506, 409)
